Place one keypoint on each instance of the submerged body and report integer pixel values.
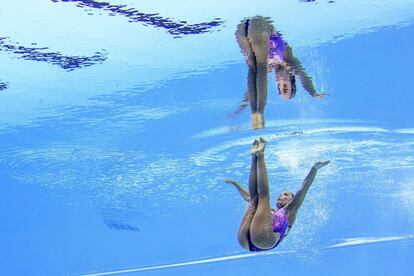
(263, 228)
(276, 49)
(280, 227)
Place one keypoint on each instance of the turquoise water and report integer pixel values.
(116, 138)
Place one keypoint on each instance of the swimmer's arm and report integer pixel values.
(299, 71)
(305, 80)
(243, 104)
(243, 192)
(301, 194)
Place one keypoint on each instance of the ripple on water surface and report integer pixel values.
(128, 180)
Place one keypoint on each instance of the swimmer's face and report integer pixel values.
(283, 199)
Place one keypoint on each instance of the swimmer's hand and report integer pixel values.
(231, 181)
(320, 95)
(320, 164)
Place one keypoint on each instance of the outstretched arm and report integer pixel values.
(298, 70)
(243, 192)
(297, 201)
(242, 106)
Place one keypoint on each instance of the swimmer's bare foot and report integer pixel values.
(261, 146)
(255, 146)
(257, 120)
(258, 146)
(263, 140)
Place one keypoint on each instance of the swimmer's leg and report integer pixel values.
(243, 234)
(261, 230)
(259, 33)
(244, 43)
(246, 47)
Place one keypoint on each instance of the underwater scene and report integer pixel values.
(206, 137)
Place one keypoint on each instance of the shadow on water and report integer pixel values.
(265, 51)
(116, 225)
(3, 86)
(314, 1)
(173, 27)
(40, 54)
(123, 219)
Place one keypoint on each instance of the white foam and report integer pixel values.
(369, 240)
(286, 123)
(405, 130)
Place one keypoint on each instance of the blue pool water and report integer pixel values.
(116, 138)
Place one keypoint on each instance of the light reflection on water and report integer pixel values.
(129, 180)
(138, 134)
(154, 52)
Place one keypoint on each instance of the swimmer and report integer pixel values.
(263, 228)
(264, 51)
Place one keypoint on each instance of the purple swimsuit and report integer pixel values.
(279, 224)
(276, 49)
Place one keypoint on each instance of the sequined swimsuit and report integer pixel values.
(280, 225)
(276, 50)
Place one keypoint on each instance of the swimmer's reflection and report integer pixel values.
(265, 50)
